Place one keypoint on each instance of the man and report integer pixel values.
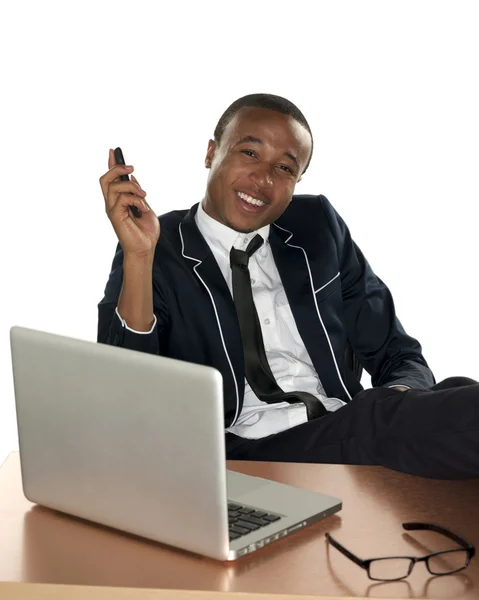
(270, 289)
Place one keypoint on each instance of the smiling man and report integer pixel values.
(252, 177)
(270, 289)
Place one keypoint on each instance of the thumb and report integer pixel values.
(111, 159)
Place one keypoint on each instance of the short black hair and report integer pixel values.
(270, 101)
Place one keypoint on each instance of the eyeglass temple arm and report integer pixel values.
(437, 529)
(346, 552)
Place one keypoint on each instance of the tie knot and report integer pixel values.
(241, 257)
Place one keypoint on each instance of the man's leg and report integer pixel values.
(433, 433)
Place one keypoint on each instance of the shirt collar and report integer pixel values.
(220, 235)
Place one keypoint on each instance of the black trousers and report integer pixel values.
(432, 433)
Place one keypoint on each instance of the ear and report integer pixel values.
(210, 153)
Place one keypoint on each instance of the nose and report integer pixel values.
(261, 176)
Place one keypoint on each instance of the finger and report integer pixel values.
(135, 180)
(130, 188)
(111, 159)
(121, 210)
(112, 175)
(123, 187)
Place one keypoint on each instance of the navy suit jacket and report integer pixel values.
(333, 293)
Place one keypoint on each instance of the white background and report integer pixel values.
(390, 90)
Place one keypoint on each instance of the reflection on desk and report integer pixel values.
(65, 549)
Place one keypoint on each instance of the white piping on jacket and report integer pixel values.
(217, 320)
(317, 308)
(326, 284)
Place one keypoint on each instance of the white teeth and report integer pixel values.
(250, 200)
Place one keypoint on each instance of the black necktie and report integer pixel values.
(257, 369)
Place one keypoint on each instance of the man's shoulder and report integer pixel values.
(312, 200)
(305, 209)
(313, 204)
(172, 219)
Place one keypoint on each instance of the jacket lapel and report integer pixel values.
(292, 264)
(200, 259)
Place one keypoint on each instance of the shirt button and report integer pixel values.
(253, 281)
(245, 241)
(267, 321)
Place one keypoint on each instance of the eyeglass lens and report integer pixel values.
(390, 568)
(448, 561)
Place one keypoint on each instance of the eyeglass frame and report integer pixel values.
(413, 526)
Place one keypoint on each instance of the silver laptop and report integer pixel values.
(135, 442)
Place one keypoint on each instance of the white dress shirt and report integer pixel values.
(287, 356)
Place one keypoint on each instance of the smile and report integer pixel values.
(250, 199)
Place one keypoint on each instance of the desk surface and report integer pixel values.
(45, 591)
(41, 546)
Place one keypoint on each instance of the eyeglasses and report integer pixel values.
(393, 568)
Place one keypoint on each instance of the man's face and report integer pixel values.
(254, 169)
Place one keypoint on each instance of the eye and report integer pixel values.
(249, 153)
(286, 169)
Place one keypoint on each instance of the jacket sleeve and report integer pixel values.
(113, 330)
(377, 337)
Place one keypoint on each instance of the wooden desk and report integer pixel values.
(44, 591)
(42, 546)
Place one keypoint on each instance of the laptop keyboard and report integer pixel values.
(243, 520)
